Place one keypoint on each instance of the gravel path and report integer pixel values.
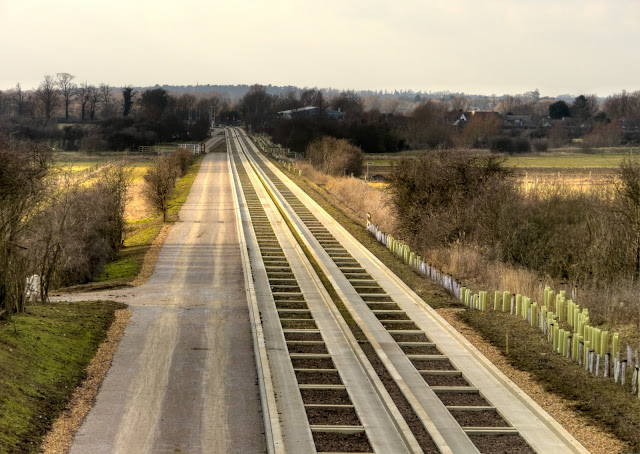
(183, 377)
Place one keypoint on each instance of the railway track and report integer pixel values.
(353, 360)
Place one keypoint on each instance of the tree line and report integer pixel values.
(101, 117)
(55, 230)
(433, 123)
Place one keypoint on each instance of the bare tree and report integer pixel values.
(108, 105)
(23, 185)
(624, 106)
(334, 156)
(19, 99)
(349, 102)
(84, 94)
(67, 89)
(94, 100)
(159, 182)
(460, 102)
(47, 98)
(509, 105)
(115, 181)
(312, 97)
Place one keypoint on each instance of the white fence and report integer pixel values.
(565, 325)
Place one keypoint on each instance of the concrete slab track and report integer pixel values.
(541, 431)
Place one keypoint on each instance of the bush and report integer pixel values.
(182, 160)
(521, 145)
(501, 144)
(541, 145)
(506, 144)
(445, 197)
(335, 157)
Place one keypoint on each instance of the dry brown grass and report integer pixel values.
(137, 206)
(355, 194)
(617, 308)
(567, 181)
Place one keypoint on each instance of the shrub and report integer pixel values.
(445, 197)
(541, 145)
(521, 145)
(335, 156)
(182, 159)
(501, 144)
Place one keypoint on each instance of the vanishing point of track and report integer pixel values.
(349, 358)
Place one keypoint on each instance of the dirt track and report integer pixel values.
(183, 378)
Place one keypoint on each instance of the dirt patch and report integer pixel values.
(325, 396)
(333, 442)
(392, 317)
(445, 380)
(389, 324)
(501, 444)
(484, 418)
(312, 363)
(291, 305)
(420, 350)
(433, 364)
(302, 348)
(384, 306)
(410, 337)
(318, 378)
(303, 336)
(302, 324)
(334, 416)
(59, 438)
(295, 315)
(462, 399)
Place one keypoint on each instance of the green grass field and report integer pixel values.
(43, 356)
(574, 159)
(561, 158)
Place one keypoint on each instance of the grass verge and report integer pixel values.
(609, 405)
(43, 356)
(141, 233)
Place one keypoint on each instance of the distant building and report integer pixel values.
(520, 121)
(311, 111)
(459, 118)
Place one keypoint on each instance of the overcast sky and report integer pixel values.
(471, 46)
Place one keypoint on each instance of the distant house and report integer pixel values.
(519, 121)
(459, 118)
(311, 111)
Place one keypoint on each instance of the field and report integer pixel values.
(568, 169)
(82, 166)
(143, 223)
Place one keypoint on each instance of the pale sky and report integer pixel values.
(471, 46)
